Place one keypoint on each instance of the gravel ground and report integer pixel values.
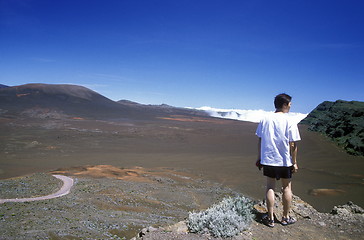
(106, 208)
(146, 204)
(34, 185)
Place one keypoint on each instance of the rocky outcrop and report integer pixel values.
(342, 121)
(343, 222)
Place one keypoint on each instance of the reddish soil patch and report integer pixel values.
(135, 174)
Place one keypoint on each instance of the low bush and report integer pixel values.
(225, 219)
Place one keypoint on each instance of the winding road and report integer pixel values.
(65, 189)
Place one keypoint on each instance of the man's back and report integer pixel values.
(276, 132)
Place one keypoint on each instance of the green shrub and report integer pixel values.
(342, 121)
(225, 219)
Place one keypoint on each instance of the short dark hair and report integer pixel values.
(281, 99)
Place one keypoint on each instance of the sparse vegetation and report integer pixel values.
(225, 219)
(34, 185)
(104, 207)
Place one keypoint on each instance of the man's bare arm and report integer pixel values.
(293, 151)
(257, 163)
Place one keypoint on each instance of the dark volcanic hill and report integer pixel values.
(342, 121)
(162, 109)
(74, 101)
(3, 86)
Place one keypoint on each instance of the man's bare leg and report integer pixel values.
(271, 183)
(287, 196)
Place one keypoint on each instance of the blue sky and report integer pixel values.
(189, 53)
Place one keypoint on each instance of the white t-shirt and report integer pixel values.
(277, 130)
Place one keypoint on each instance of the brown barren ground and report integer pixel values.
(222, 150)
(215, 150)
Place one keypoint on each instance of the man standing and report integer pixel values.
(277, 154)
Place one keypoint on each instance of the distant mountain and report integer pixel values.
(130, 103)
(3, 86)
(163, 109)
(71, 101)
(342, 121)
(68, 99)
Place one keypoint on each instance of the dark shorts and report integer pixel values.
(277, 172)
